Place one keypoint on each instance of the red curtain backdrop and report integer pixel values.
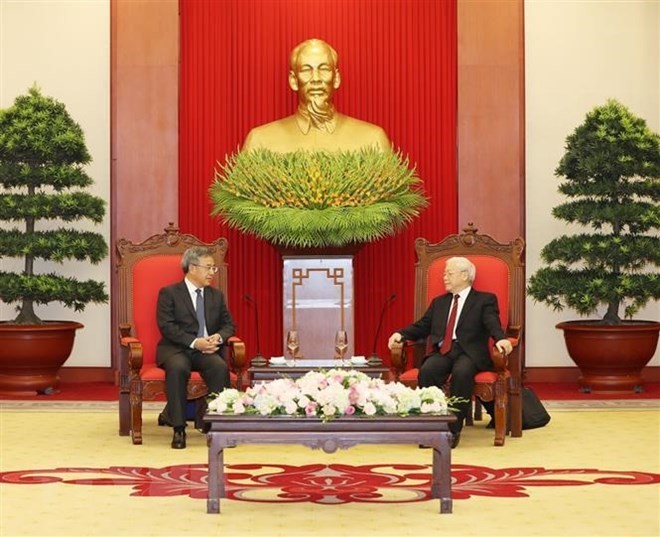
(398, 64)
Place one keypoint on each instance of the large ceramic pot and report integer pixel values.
(611, 357)
(32, 355)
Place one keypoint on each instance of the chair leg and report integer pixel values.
(478, 409)
(124, 411)
(136, 412)
(501, 406)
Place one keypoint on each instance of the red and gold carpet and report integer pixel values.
(594, 470)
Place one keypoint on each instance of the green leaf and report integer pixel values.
(611, 172)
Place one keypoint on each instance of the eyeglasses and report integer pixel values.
(211, 268)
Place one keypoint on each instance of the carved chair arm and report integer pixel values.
(501, 361)
(398, 358)
(236, 353)
(132, 354)
(400, 351)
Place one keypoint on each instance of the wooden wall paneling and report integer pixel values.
(491, 104)
(144, 122)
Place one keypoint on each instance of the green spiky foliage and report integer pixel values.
(612, 177)
(42, 173)
(316, 199)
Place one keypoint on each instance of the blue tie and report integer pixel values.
(201, 317)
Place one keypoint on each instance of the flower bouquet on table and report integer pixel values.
(330, 394)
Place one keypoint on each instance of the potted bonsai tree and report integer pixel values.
(612, 177)
(42, 173)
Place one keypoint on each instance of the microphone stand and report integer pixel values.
(374, 359)
(258, 359)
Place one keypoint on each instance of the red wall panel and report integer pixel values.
(398, 64)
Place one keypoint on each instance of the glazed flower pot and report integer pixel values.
(32, 355)
(611, 357)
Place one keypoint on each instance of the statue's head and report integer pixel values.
(314, 74)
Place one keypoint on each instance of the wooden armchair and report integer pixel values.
(143, 269)
(500, 271)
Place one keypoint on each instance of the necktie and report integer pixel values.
(449, 330)
(201, 317)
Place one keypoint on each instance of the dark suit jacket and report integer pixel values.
(175, 314)
(479, 320)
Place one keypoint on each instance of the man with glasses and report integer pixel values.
(459, 324)
(194, 323)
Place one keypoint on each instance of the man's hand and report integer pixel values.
(504, 345)
(394, 338)
(215, 338)
(208, 345)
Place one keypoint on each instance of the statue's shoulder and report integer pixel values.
(269, 134)
(368, 133)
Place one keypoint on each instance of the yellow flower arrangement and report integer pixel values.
(317, 199)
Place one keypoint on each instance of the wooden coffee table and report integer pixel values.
(297, 368)
(341, 433)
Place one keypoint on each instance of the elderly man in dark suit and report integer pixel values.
(194, 323)
(459, 324)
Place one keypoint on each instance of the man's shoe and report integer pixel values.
(491, 424)
(179, 440)
(163, 421)
(455, 439)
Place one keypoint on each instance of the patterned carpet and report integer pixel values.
(66, 472)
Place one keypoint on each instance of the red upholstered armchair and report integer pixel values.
(143, 269)
(500, 271)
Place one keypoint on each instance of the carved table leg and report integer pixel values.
(441, 476)
(216, 478)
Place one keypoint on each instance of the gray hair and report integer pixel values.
(464, 264)
(192, 255)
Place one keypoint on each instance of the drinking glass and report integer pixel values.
(292, 343)
(341, 344)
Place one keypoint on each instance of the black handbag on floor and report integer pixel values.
(534, 414)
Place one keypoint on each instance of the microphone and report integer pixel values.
(258, 359)
(374, 355)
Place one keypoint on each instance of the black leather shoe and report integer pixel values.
(491, 424)
(455, 439)
(163, 421)
(179, 440)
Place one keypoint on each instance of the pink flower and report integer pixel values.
(330, 394)
(310, 410)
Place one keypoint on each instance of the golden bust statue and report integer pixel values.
(316, 125)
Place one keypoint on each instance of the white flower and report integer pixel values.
(369, 409)
(330, 394)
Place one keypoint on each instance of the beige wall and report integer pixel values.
(64, 46)
(578, 54)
